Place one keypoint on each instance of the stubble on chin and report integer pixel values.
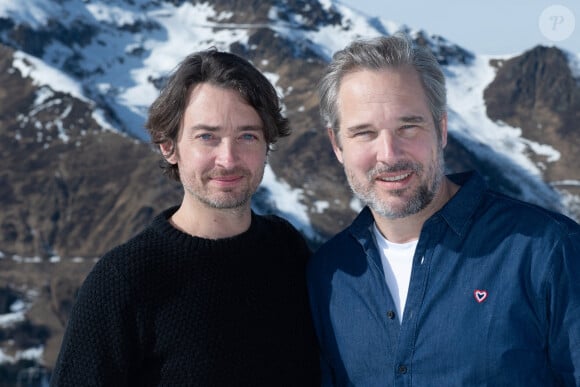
(222, 200)
(230, 199)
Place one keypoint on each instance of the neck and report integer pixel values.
(211, 223)
(409, 228)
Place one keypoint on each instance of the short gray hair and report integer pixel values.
(379, 53)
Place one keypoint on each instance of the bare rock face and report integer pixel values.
(69, 187)
(35, 300)
(538, 93)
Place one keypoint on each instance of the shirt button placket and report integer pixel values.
(402, 376)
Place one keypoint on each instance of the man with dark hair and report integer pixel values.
(210, 293)
(439, 281)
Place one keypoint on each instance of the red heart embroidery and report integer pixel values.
(480, 295)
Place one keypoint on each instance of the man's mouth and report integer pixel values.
(227, 178)
(394, 178)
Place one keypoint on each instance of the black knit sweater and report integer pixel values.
(169, 309)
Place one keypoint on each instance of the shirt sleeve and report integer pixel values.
(99, 347)
(564, 310)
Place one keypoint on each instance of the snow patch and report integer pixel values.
(289, 202)
(43, 74)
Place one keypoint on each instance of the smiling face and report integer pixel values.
(220, 150)
(388, 142)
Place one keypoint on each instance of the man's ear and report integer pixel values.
(335, 143)
(168, 151)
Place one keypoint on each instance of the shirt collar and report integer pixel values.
(459, 211)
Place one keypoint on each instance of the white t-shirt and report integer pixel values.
(397, 260)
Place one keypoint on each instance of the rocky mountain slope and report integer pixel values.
(538, 93)
(79, 177)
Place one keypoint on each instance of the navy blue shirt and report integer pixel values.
(494, 299)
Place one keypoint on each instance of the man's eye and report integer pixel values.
(205, 136)
(408, 130)
(249, 137)
(363, 133)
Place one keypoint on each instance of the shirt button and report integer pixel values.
(391, 314)
(402, 369)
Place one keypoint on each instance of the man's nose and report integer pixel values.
(226, 153)
(388, 148)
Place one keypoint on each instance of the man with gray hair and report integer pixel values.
(439, 281)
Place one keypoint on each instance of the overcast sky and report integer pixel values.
(486, 27)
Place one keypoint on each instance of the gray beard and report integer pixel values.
(421, 198)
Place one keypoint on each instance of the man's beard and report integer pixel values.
(421, 197)
(226, 200)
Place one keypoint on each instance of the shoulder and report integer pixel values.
(481, 209)
(348, 243)
(275, 224)
(339, 253)
(122, 265)
(337, 243)
(274, 220)
(114, 268)
(108, 288)
(517, 213)
(134, 251)
(279, 233)
(540, 237)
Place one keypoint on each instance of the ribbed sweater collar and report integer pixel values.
(249, 238)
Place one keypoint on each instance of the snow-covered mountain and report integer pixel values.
(77, 77)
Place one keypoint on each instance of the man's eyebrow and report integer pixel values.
(252, 128)
(357, 128)
(243, 128)
(205, 127)
(412, 119)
